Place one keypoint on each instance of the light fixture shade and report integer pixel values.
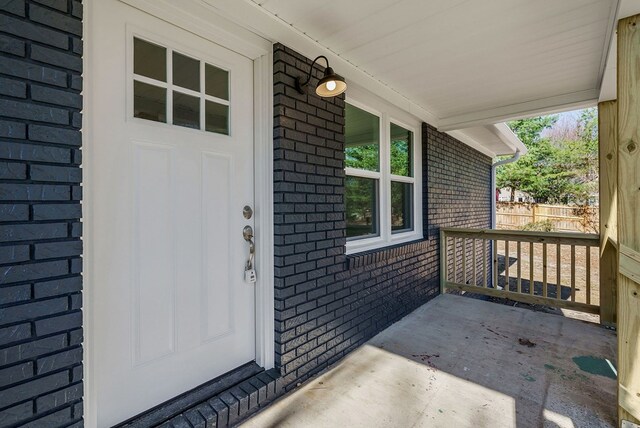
(331, 84)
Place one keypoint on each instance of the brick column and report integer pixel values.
(40, 229)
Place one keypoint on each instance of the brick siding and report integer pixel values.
(328, 303)
(40, 230)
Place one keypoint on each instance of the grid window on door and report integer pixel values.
(380, 185)
(174, 88)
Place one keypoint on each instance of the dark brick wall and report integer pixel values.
(40, 193)
(458, 187)
(328, 303)
(457, 193)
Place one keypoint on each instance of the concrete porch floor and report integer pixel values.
(458, 362)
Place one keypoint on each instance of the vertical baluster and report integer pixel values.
(519, 255)
(495, 264)
(506, 265)
(445, 261)
(475, 263)
(532, 283)
(558, 278)
(573, 273)
(464, 260)
(587, 253)
(484, 262)
(544, 269)
(455, 260)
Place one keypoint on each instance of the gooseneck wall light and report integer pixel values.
(330, 85)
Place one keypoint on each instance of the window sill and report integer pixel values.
(367, 257)
(356, 246)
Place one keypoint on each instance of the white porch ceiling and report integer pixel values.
(466, 62)
(609, 87)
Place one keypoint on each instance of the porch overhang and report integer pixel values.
(460, 66)
(492, 140)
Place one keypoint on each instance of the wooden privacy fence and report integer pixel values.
(546, 268)
(564, 218)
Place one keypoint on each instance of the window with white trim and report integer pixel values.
(382, 187)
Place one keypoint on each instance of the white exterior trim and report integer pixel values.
(474, 144)
(263, 176)
(510, 138)
(89, 384)
(566, 102)
(242, 41)
(198, 18)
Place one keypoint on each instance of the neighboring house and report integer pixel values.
(504, 195)
(181, 226)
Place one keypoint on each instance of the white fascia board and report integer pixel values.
(469, 141)
(541, 107)
(510, 139)
(609, 48)
(502, 135)
(259, 20)
(608, 87)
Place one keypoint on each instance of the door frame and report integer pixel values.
(202, 20)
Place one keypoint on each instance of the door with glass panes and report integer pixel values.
(170, 168)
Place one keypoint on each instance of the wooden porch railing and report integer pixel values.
(544, 268)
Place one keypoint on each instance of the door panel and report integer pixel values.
(153, 300)
(216, 299)
(172, 310)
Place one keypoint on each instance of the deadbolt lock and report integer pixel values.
(247, 212)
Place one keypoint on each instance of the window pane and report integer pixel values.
(401, 206)
(149, 102)
(186, 72)
(216, 82)
(186, 110)
(401, 151)
(362, 207)
(149, 60)
(217, 118)
(362, 139)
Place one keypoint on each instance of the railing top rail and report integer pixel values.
(590, 239)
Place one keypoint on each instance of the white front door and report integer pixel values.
(170, 168)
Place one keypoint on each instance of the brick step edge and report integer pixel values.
(233, 405)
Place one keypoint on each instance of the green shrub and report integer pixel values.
(540, 226)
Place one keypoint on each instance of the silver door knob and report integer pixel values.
(247, 233)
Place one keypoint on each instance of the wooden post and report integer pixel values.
(444, 265)
(464, 260)
(628, 225)
(485, 281)
(544, 270)
(495, 264)
(533, 213)
(608, 154)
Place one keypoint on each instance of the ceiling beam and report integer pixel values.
(556, 104)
